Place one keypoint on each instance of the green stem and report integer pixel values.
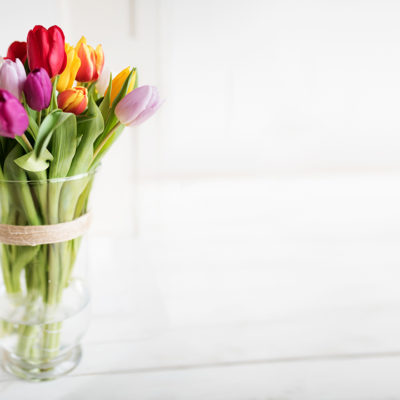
(51, 340)
(27, 142)
(5, 265)
(104, 141)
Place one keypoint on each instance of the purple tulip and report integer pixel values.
(12, 77)
(13, 117)
(37, 89)
(138, 105)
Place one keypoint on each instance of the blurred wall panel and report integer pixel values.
(260, 87)
(18, 16)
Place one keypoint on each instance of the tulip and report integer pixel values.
(92, 61)
(137, 106)
(13, 117)
(103, 81)
(46, 49)
(118, 82)
(17, 50)
(12, 77)
(37, 89)
(73, 100)
(66, 79)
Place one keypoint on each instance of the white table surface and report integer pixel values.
(262, 288)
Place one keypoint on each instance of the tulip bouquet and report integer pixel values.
(59, 114)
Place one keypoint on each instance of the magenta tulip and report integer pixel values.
(138, 105)
(12, 77)
(13, 117)
(37, 89)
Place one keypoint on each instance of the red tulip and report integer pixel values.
(17, 50)
(46, 49)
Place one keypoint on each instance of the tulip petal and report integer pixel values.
(133, 104)
(57, 57)
(12, 77)
(146, 114)
(37, 89)
(17, 50)
(45, 49)
(13, 117)
(73, 100)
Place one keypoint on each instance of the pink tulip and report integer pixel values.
(37, 89)
(12, 77)
(13, 117)
(138, 105)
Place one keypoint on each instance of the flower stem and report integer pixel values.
(27, 142)
(105, 140)
(39, 117)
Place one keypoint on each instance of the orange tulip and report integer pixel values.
(73, 100)
(92, 61)
(119, 81)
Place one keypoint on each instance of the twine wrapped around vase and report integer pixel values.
(34, 235)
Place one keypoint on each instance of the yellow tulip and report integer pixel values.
(66, 79)
(119, 81)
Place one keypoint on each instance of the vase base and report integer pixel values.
(45, 371)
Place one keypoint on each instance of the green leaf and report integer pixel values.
(31, 113)
(13, 172)
(22, 143)
(63, 147)
(111, 119)
(33, 127)
(22, 197)
(122, 93)
(29, 161)
(53, 102)
(136, 80)
(91, 89)
(105, 104)
(89, 129)
(48, 126)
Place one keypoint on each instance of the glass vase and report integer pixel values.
(44, 296)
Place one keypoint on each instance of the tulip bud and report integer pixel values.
(139, 105)
(17, 50)
(103, 81)
(119, 81)
(13, 117)
(66, 79)
(37, 89)
(12, 77)
(73, 100)
(92, 61)
(46, 49)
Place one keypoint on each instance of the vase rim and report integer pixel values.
(54, 180)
